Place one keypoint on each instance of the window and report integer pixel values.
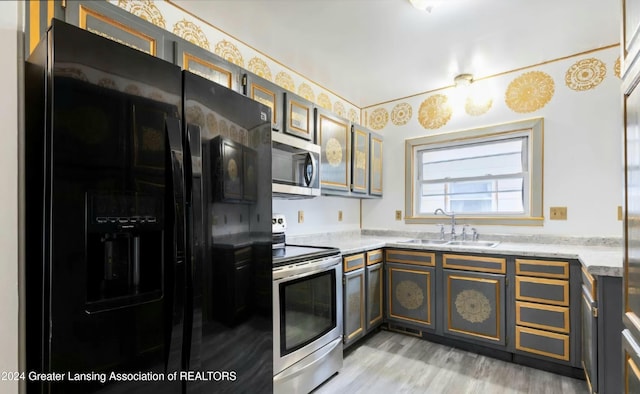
(491, 175)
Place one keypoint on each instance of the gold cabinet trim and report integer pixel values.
(381, 302)
(361, 329)
(348, 259)
(273, 104)
(84, 12)
(187, 57)
(563, 264)
(496, 260)
(563, 337)
(427, 275)
(356, 160)
(634, 369)
(566, 328)
(496, 284)
(431, 263)
(377, 169)
(553, 282)
(306, 108)
(593, 283)
(374, 256)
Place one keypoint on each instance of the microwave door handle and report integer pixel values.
(310, 169)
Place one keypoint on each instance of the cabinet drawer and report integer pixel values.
(411, 257)
(590, 283)
(351, 263)
(542, 268)
(547, 317)
(543, 343)
(374, 257)
(475, 263)
(549, 291)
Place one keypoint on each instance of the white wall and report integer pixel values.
(9, 26)
(320, 214)
(583, 165)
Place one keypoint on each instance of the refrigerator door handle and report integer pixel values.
(188, 166)
(174, 136)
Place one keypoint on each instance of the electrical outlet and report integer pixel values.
(398, 215)
(300, 216)
(620, 212)
(558, 213)
(339, 216)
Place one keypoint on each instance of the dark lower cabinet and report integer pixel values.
(601, 328)
(474, 305)
(374, 280)
(354, 309)
(411, 295)
(232, 285)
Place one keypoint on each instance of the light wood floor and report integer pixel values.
(389, 362)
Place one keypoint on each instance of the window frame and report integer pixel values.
(532, 128)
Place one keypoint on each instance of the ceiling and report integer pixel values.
(372, 51)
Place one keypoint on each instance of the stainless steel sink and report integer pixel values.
(484, 244)
(425, 241)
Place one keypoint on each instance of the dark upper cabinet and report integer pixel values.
(267, 93)
(207, 65)
(375, 164)
(360, 162)
(110, 21)
(334, 138)
(298, 115)
(234, 171)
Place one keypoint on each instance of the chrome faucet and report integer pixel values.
(452, 215)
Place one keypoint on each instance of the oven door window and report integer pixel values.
(308, 310)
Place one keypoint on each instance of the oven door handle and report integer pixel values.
(299, 271)
(319, 357)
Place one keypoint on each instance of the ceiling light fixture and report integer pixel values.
(423, 5)
(463, 80)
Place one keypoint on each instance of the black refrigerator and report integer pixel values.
(148, 225)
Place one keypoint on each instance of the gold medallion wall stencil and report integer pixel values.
(378, 118)
(353, 115)
(132, 89)
(284, 80)
(192, 33)
(616, 67)
(473, 306)
(401, 114)
(475, 107)
(224, 128)
(324, 101)
(306, 92)
(108, 83)
(333, 151)
(585, 74)
(338, 109)
(144, 9)
(530, 92)
(434, 112)
(195, 115)
(212, 124)
(229, 52)
(260, 68)
(409, 294)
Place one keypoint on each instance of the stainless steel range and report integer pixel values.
(307, 317)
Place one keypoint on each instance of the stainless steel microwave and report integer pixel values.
(295, 167)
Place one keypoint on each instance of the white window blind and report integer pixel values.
(484, 177)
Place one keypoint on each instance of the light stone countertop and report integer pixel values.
(598, 259)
